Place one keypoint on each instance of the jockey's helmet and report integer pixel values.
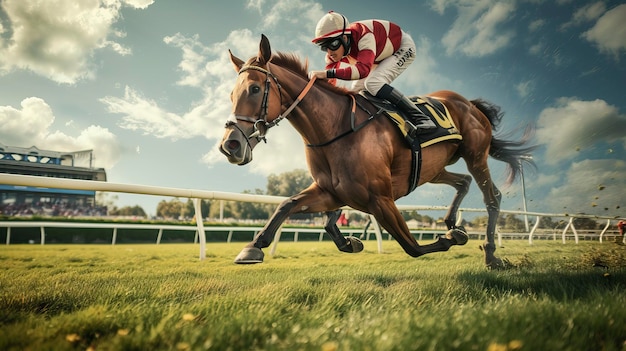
(332, 25)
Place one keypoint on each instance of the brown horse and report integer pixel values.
(334, 131)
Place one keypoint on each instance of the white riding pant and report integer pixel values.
(388, 69)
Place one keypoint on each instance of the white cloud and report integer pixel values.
(282, 12)
(57, 39)
(206, 68)
(25, 126)
(107, 149)
(609, 32)
(31, 126)
(145, 115)
(201, 66)
(572, 126)
(139, 4)
(477, 31)
(536, 25)
(525, 88)
(585, 14)
(255, 4)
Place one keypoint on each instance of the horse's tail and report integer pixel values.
(511, 152)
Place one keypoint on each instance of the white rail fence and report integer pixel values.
(197, 195)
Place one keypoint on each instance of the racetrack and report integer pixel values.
(312, 297)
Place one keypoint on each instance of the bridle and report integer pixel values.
(261, 120)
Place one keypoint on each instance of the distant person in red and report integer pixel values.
(621, 226)
(343, 220)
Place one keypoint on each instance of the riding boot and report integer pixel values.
(422, 122)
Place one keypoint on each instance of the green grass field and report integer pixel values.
(312, 297)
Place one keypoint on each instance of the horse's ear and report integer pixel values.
(265, 51)
(237, 62)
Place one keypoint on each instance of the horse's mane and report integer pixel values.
(293, 63)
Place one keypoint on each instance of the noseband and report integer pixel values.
(262, 118)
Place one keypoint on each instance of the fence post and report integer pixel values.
(532, 231)
(574, 231)
(200, 223)
(565, 229)
(43, 235)
(114, 239)
(159, 236)
(222, 211)
(379, 235)
(8, 235)
(608, 224)
(276, 240)
(570, 224)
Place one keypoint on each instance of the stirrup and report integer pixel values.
(424, 125)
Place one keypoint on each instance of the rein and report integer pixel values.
(353, 128)
(262, 119)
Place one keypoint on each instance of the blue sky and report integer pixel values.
(146, 85)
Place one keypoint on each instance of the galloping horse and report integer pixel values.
(335, 130)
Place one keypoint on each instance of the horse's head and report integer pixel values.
(256, 100)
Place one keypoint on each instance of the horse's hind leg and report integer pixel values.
(390, 218)
(349, 244)
(460, 182)
(491, 197)
(493, 211)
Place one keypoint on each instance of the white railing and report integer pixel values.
(197, 195)
(160, 228)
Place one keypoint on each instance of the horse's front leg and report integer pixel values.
(312, 199)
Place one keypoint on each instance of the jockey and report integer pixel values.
(353, 50)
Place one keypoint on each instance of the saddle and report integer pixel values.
(433, 109)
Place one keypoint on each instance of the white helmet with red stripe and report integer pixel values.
(332, 25)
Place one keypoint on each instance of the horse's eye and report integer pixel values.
(255, 89)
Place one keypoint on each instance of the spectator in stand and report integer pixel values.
(621, 226)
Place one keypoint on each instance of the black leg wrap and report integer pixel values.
(334, 233)
(266, 235)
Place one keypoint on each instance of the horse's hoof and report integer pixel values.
(458, 236)
(497, 264)
(357, 245)
(353, 245)
(250, 255)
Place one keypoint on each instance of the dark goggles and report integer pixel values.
(332, 44)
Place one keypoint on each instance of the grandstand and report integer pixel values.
(26, 200)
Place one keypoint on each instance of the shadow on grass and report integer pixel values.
(554, 283)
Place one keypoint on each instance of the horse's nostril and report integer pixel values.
(232, 145)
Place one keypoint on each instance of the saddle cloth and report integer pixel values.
(436, 111)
